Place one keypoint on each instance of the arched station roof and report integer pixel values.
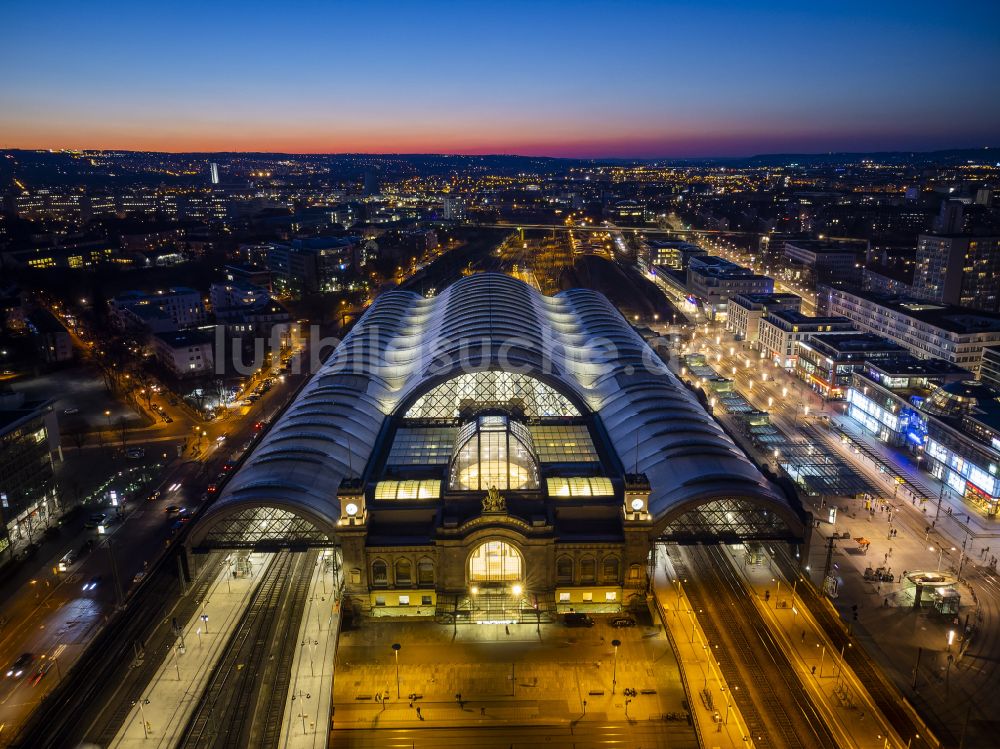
(405, 345)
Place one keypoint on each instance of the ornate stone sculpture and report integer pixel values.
(493, 502)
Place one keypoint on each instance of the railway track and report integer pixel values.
(772, 701)
(244, 700)
(886, 697)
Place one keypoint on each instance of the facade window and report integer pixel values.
(356, 576)
(403, 571)
(588, 597)
(425, 600)
(380, 573)
(404, 600)
(634, 573)
(425, 572)
(611, 570)
(588, 570)
(484, 388)
(495, 562)
(563, 597)
(380, 600)
(611, 595)
(564, 570)
(494, 451)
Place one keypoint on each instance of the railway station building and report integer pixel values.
(492, 453)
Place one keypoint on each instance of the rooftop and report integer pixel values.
(845, 344)
(797, 317)
(952, 319)
(179, 338)
(745, 300)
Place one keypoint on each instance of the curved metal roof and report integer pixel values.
(575, 341)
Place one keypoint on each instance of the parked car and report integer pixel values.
(98, 518)
(623, 621)
(136, 452)
(71, 411)
(577, 620)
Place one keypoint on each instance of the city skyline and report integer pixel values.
(648, 80)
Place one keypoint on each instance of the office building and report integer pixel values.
(826, 262)
(746, 311)
(186, 353)
(781, 331)
(29, 436)
(826, 361)
(928, 330)
(712, 281)
(165, 309)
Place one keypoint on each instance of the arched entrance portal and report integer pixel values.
(496, 575)
(495, 564)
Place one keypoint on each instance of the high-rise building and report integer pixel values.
(958, 269)
(213, 173)
(454, 208)
(29, 434)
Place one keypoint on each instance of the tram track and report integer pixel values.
(775, 707)
(244, 698)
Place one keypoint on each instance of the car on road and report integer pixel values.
(67, 561)
(92, 583)
(43, 669)
(18, 667)
(623, 621)
(154, 496)
(573, 619)
(136, 453)
(98, 518)
(139, 577)
(212, 490)
(174, 510)
(167, 419)
(71, 411)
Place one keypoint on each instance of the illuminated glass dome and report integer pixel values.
(493, 451)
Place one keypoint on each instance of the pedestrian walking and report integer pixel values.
(506, 629)
(482, 711)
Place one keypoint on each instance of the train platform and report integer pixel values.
(835, 689)
(718, 718)
(159, 719)
(306, 720)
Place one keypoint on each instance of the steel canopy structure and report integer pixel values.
(489, 341)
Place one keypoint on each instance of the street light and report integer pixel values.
(395, 651)
(614, 673)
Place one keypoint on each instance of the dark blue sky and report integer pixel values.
(583, 79)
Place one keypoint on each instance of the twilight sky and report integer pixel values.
(697, 78)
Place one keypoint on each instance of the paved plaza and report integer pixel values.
(518, 674)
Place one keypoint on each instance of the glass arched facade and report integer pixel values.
(493, 388)
(495, 562)
(493, 451)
